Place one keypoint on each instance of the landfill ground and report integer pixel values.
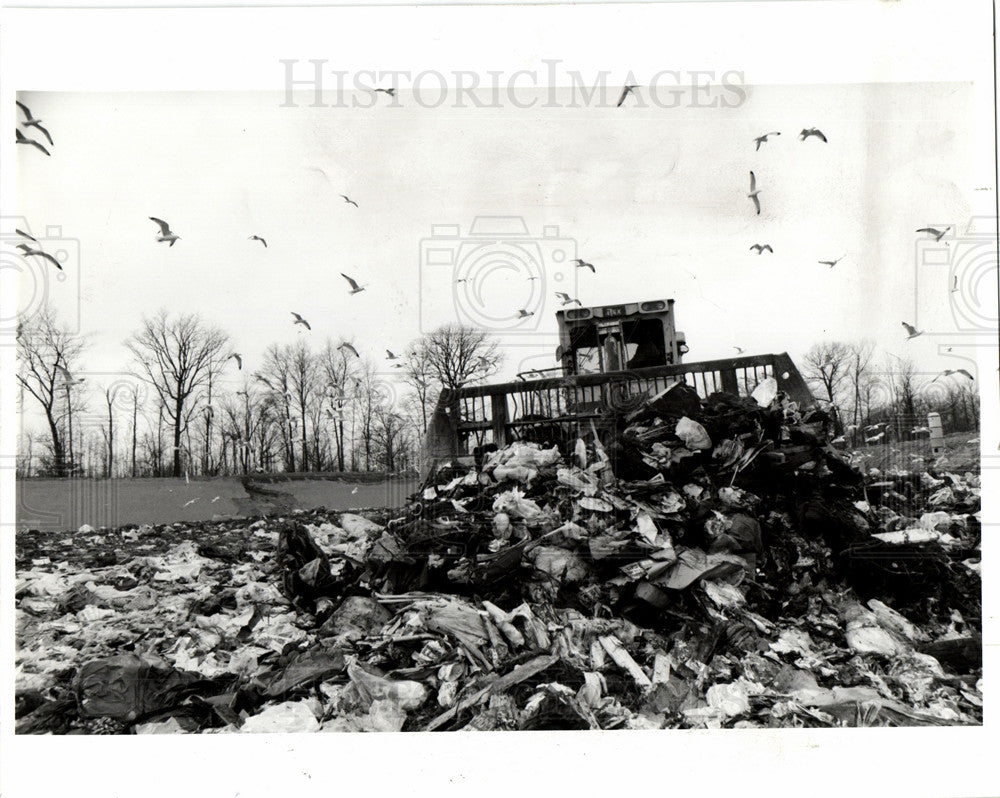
(60, 504)
(695, 564)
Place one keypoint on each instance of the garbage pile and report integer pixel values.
(692, 564)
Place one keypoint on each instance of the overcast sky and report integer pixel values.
(654, 197)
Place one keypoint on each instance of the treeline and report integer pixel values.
(874, 393)
(187, 403)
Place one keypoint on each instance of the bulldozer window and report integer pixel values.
(613, 346)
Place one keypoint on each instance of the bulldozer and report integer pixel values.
(612, 359)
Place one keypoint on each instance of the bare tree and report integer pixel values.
(109, 433)
(43, 347)
(388, 431)
(337, 373)
(861, 355)
(420, 375)
(176, 356)
(302, 378)
(457, 354)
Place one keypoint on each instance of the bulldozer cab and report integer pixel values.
(610, 338)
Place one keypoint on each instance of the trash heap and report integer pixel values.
(694, 563)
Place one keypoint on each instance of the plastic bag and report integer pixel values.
(404, 694)
(693, 434)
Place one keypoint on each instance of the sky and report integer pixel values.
(656, 198)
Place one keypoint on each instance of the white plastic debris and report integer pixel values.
(766, 392)
(729, 699)
(289, 716)
(693, 434)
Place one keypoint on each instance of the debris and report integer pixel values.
(687, 563)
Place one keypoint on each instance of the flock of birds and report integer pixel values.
(168, 236)
(754, 196)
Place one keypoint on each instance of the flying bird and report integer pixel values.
(31, 121)
(300, 320)
(461, 280)
(761, 139)
(754, 192)
(949, 372)
(739, 350)
(582, 264)
(812, 131)
(349, 201)
(912, 331)
(390, 356)
(626, 91)
(566, 299)
(391, 92)
(831, 263)
(68, 379)
(761, 247)
(349, 347)
(22, 233)
(22, 139)
(258, 238)
(399, 365)
(165, 232)
(937, 234)
(355, 288)
(523, 314)
(239, 359)
(28, 251)
(531, 278)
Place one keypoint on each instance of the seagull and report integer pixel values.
(346, 345)
(258, 238)
(461, 280)
(391, 92)
(582, 264)
(349, 201)
(399, 365)
(390, 356)
(626, 91)
(26, 235)
(531, 278)
(761, 247)
(954, 286)
(754, 192)
(813, 131)
(215, 499)
(22, 139)
(300, 320)
(566, 299)
(165, 232)
(523, 314)
(913, 332)
(32, 122)
(192, 501)
(831, 263)
(239, 359)
(28, 251)
(949, 372)
(937, 234)
(354, 491)
(68, 380)
(739, 350)
(355, 288)
(761, 139)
